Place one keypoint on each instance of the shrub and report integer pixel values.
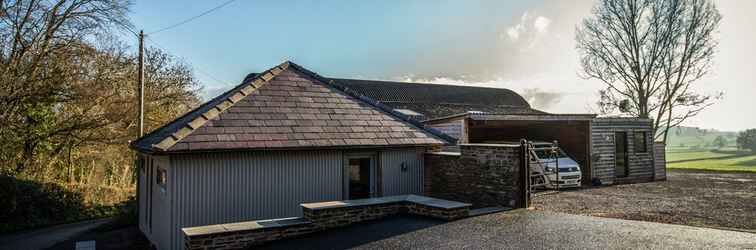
(747, 140)
(28, 204)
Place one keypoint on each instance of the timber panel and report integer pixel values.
(660, 161)
(640, 164)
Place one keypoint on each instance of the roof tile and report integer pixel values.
(289, 109)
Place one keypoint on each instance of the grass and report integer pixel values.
(725, 161)
(688, 155)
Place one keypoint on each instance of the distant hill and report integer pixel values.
(696, 138)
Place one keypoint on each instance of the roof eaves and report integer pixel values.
(382, 107)
(540, 117)
(448, 117)
(184, 151)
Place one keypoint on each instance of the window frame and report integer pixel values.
(640, 141)
(161, 178)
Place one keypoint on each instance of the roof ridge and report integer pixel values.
(419, 83)
(231, 97)
(375, 103)
(456, 103)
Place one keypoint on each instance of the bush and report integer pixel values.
(29, 204)
(747, 140)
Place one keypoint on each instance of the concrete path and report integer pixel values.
(47, 237)
(521, 229)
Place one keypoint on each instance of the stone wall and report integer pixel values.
(347, 215)
(342, 213)
(319, 216)
(245, 234)
(482, 174)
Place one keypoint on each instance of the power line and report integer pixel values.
(128, 28)
(193, 66)
(192, 18)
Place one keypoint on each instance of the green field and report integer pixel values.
(715, 160)
(697, 139)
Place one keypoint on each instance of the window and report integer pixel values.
(640, 142)
(161, 178)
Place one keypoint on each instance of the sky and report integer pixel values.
(526, 46)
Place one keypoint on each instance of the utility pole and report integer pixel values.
(141, 83)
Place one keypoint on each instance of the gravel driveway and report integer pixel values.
(707, 199)
(520, 229)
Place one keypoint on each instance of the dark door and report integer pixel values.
(620, 154)
(360, 177)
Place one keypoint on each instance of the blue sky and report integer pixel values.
(526, 46)
(373, 39)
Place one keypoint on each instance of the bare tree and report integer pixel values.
(648, 53)
(40, 44)
(66, 83)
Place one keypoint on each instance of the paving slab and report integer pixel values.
(86, 245)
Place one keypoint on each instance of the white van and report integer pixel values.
(543, 164)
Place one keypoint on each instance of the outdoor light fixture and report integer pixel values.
(404, 167)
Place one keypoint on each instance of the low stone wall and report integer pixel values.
(482, 174)
(245, 234)
(342, 213)
(339, 215)
(319, 216)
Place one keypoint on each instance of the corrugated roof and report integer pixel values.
(288, 107)
(438, 100)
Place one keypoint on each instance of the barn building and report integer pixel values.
(288, 136)
(611, 150)
(279, 139)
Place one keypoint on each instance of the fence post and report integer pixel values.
(524, 175)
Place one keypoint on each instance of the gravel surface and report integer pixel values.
(522, 229)
(704, 199)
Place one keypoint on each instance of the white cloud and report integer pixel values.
(539, 93)
(529, 30)
(514, 32)
(542, 24)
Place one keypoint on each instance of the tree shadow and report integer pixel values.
(27, 204)
(728, 152)
(357, 234)
(749, 163)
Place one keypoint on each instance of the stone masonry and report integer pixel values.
(482, 174)
(245, 234)
(319, 216)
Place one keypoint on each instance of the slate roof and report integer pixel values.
(288, 107)
(438, 100)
